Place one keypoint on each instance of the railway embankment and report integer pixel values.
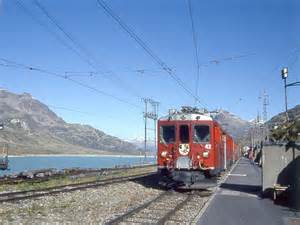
(118, 196)
(89, 206)
(87, 198)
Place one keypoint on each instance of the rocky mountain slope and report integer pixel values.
(31, 127)
(283, 131)
(293, 113)
(232, 124)
(139, 142)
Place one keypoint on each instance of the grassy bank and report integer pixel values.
(74, 179)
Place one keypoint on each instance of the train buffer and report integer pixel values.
(238, 201)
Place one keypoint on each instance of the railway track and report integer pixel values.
(169, 207)
(22, 195)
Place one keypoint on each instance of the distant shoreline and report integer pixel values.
(77, 155)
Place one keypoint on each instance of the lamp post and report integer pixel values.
(284, 75)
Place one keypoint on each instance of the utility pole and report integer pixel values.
(284, 75)
(145, 117)
(150, 114)
(265, 105)
(4, 160)
(264, 128)
(155, 106)
(259, 118)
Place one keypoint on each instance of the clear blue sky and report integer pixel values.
(267, 29)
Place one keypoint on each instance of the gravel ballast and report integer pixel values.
(89, 206)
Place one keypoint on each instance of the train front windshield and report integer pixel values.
(167, 134)
(201, 134)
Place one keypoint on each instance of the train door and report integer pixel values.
(233, 152)
(183, 145)
(218, 146)
(184, 136)
(224, 140)
(202, 143)
(229, 151)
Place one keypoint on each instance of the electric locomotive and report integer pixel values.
(193, 148)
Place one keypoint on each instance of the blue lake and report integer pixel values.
(25, 163)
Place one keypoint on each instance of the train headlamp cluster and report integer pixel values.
(164, 154)
(205, 154)
(208, 146)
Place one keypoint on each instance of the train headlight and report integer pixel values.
(164, 154)
(184, 149)
(205, 154)
(208, 146)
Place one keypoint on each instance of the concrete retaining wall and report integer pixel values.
(281, 165)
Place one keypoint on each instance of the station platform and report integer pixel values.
(238, 201)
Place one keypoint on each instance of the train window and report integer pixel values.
(201, 133)
(167, 134)
(184, 134)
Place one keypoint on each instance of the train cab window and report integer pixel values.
(201, 134)
(167, 134)
(184, 134)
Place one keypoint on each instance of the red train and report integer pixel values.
(193, 148)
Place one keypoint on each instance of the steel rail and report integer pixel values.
(132, 214)
(21, 195)
(165, 218)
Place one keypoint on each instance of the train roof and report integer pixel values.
(192, 114)
(187, 116)
(188, 113)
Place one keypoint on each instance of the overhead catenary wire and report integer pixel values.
(103, 5)
(93, 61)
(79, 83)
(21, 5)
(16, 65)
(81, 49)
(83, 53)
(69, 109)
(80, 74)
(91, 74)
(293, 58)
(220, 60)
(142, 71)
(293, 53)
(63, 108)
(195, 43)
(76, 47)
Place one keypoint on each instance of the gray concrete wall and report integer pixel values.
(281, 165)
